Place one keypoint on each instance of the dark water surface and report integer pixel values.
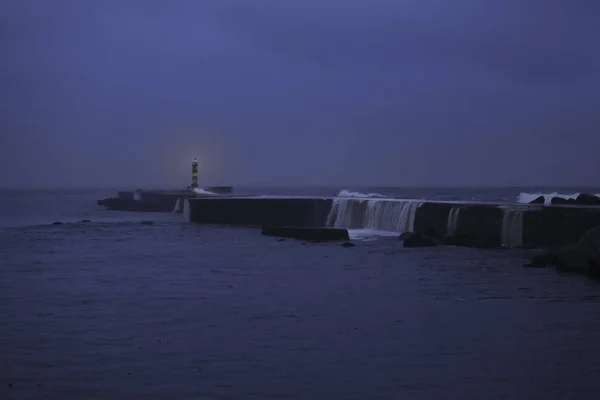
(115, 309)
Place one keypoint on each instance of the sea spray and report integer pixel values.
(177, 206)
(348, 193)
(453, 218)
(512, 227)
(204, 192)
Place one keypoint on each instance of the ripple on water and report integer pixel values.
(173, 310)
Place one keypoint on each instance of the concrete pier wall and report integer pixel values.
(298, 212)
(166, 199)
(147, 200)
(475, 224)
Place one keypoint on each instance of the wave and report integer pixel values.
(348, 193)
(204, 192)
(529, 197)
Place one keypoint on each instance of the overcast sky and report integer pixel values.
(320, 92)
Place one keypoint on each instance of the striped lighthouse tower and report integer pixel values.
(194, 174)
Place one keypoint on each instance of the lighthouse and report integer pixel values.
(194, 174)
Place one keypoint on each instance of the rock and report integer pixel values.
(542, 260)
(147, 222)
(576, 258)
(83, 221)
(57, 223)
(539, 200)
(590, 239)
(582, 257)
(594, 270)
(348, 244)
(309, 234)
(281, 240)
(560, 200)
(405, 235)
(584, 199)
(420, 240)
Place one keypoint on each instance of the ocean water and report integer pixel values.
(116, 309)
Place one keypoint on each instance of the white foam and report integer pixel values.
(453, 217)
(529, 197)
(375, 215)
(177, 206)
(369, 234)
(512, 227)
(347, 193)
(204, 192)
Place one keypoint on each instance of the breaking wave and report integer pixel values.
(529, 197)
(204, 192)
(348, 193)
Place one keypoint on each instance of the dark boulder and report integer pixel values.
(591, 239)
(348, 244)
(405, 235)
(539, 200)
(84, 221)
(147, 222)
(309, 234)
(542, 260)
(584, 199)
(57, 223)
(420, 240)
(576, 258)
(560, 200)
(582, 257)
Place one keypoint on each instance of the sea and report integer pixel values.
(151, 306)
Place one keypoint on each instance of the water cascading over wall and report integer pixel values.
(512, 227)
(177, 208)
(347, 213)
(186, 210)
(375, 214)
(453, 218)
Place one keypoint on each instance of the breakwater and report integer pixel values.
(159, 200)
(456, 223)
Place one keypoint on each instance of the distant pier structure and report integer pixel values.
(194, 174)
(163, 200)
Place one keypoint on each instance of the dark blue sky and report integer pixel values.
(322, 92)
